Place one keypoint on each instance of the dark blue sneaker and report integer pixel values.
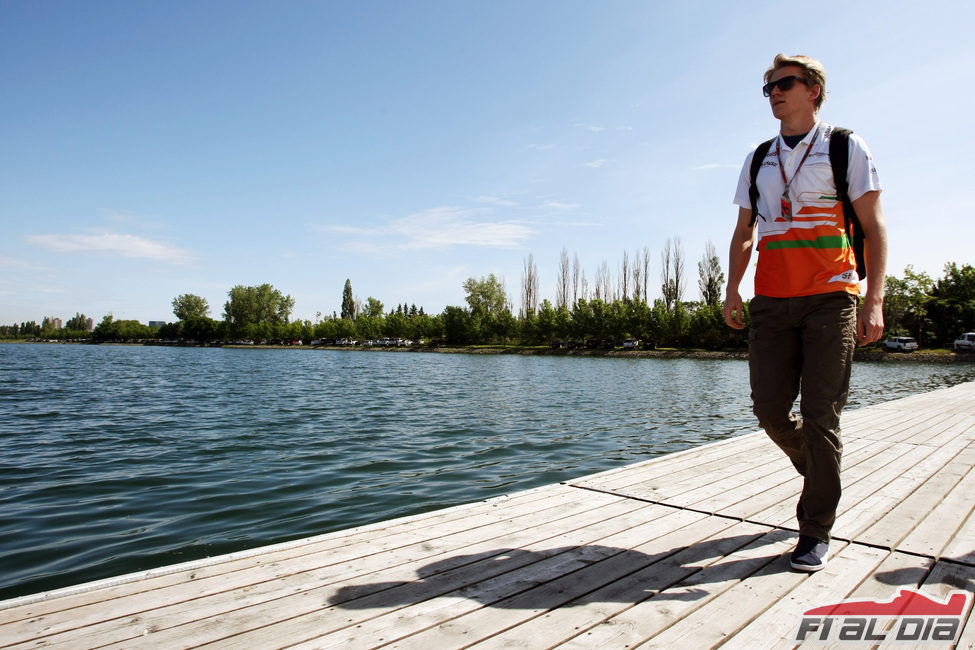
(810, 554)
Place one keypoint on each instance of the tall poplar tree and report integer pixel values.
(348, 302)
(711, 278)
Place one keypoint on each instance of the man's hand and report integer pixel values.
(870, 322)
(733, 310)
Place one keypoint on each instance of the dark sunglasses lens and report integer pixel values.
(784, 84)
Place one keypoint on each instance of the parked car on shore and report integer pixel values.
(965, 342)
(900, 344)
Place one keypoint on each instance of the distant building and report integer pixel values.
(157, 323)
(90, 324)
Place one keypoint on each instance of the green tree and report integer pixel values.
(529, 328)
(348, 302)
(505, 326)
(369, 327)
(188, 306)
(200, 329)
(905, 303)
(254, 305)
(485, 296)
(107, 330)
(546, 322)
(122, 330)
(952, 303)
(456, 325)
(78, 323)
(397, 325)
(711, 278)
(708, 328)
(373, 308)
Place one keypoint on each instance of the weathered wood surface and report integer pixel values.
(686, 550)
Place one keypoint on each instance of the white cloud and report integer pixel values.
(541, 147)
(495, 200)
(439, 227)
(15, 263)
(559, 205)
(352, 230)
(592, 128)
(450, 226)
(596, 164)
(715, 166)
(113, 244)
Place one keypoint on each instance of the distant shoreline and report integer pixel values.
(941, 356)
(871, 354)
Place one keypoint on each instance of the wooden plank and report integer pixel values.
(961, 548)
(371, 615)
(744, 621)
(267, 582)
(777, 506)
(378, 536)
(721, 489)
(684, 464)
(776, 478)
(259, 624)
(654, 616)
(956, 399)
(907, 424)
(945, 578)
(686, 487)
(881, 425)
(957, 425)
(668, 463)
(558, 594)
(869, 419)
(555, 626)
(906, 517)
(658, 549)
(888, 487)
(898, 571)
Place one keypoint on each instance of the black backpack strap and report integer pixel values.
(760, 153)
(839, 160)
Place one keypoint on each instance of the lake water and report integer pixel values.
(115, 459)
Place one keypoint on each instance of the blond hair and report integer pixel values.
(812, 72)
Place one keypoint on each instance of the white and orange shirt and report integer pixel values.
(810, 254)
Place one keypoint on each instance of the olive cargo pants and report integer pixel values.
(805, 345)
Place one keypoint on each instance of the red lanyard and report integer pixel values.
(786, 200)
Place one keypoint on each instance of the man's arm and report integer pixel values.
(870, 320)
(738, 257)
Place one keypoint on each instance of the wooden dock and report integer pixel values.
(684, 551)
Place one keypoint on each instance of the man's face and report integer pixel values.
(800, 99)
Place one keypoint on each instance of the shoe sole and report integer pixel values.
(808, 568)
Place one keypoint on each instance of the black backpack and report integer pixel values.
(839, 159)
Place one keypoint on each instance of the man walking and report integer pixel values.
(804, 320)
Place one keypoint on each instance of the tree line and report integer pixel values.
(604, 310)
(934, 311)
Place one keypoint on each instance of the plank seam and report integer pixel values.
(882, 547)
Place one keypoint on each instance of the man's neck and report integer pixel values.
(798, 125)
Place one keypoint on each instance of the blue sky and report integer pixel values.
(152, 149)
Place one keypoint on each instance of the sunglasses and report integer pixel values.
(783, 84)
